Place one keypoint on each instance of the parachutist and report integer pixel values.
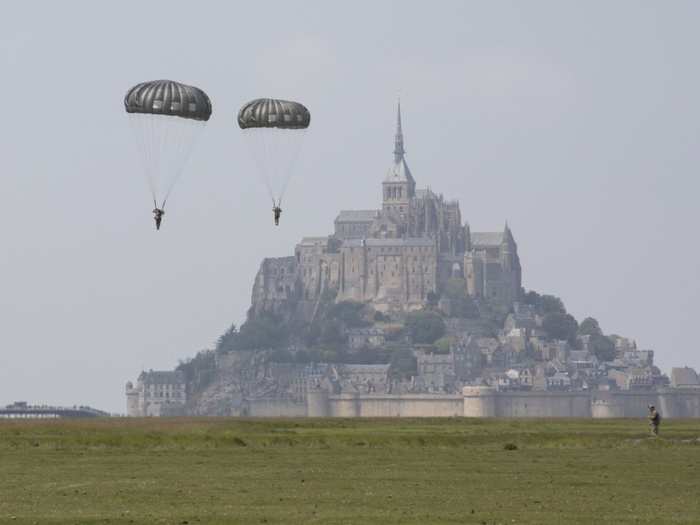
(274, 128)
(158, 216)
(277, 211)
(167, 117)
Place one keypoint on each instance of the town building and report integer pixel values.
(156, 393)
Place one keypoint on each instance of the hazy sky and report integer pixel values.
(577, 122)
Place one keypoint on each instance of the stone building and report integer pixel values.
(395, 256)
(366, 338)
(684, 378)
(157, 393)
(437, 372)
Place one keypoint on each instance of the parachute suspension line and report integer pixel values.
(275, 151)
(295, 146)
(187, 138)
(166, 117)
(266, 146)
(140, 131)
(166, 143)
(259, 148)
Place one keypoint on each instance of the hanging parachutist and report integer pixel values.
(277, 211)
(158, 216)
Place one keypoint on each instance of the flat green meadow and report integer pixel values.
(331, 471)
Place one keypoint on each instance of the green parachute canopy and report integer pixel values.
(167, 118)
(274, 130)
(274, 113)
(166, 97)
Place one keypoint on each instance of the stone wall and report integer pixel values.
(386, 405)
(473, 402)
(484, 402)
(273, 408)
(672, 403)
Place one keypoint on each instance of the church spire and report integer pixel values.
(398, 138)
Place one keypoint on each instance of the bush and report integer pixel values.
(433, 299)
(350, 313)
(379, 317)
(282, 356)
(265, 331)
(443, 345)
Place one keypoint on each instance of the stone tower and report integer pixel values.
(398, 187)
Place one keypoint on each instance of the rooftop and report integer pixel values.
(162, 377)
(487, 238)
(410, 241)
(357, 215)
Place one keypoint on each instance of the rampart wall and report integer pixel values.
(484, 402)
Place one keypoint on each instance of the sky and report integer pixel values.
(576, 122)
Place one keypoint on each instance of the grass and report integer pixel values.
(334, 471)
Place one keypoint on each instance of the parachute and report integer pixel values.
(274, 130)
(167, 118)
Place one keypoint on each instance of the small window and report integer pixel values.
(157, 104)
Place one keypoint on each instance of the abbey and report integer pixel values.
(394, 257)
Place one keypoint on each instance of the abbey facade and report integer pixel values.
(394, 257)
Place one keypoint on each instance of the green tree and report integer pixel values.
(425, 327)
(262, 332)
(403, 363)
(332, 332)
(350, 313)
(545, 304)
(193, 368)
(560, 326)
(227, 342)
(282, 356)
(462, 305)
(550, 304)
(603, 347)
(589, 326)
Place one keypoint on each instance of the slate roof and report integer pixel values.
(410, 241)
(399, 172)
(162, 377)
(487, 238)
(357, 215)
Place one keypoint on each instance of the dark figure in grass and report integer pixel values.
(654, 420)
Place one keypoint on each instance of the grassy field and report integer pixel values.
(348, 471)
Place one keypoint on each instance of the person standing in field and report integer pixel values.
(654, 420)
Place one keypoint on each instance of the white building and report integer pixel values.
(157, 393)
